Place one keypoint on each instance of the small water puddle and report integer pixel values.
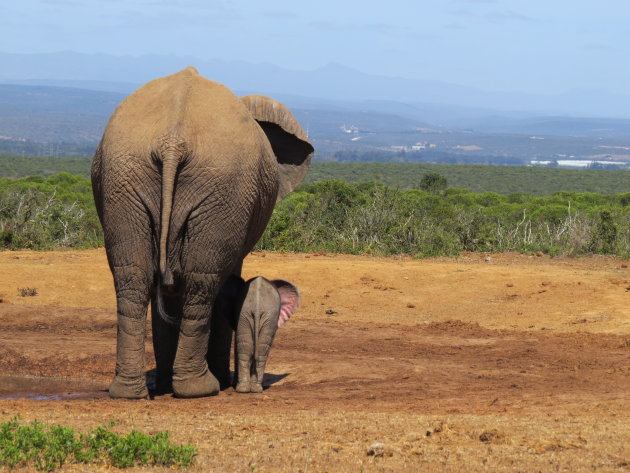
(49, 389)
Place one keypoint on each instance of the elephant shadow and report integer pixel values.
(151, 379)
(269, 379)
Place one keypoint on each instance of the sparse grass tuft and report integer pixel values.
(27, 291)
(48, 447)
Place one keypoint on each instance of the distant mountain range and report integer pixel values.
(66, 114)
(52, 114)
(333, 82)
(58, 105)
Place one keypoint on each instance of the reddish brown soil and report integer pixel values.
(493, 363)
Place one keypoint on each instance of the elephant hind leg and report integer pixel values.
(258, 369)
(244, 362)
(127, 229)
(191, 376)
(256, 387)
(165, 342)
(133, 285)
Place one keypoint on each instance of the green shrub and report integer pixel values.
(364, 218)
(434, 183)
(604, 238)
(371, 218)
(48, 447)
(57, 212)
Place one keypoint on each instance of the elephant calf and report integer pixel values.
(263, 306)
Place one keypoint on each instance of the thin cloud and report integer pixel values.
(381, 28)
(462, 12)
(279, 14)
(599, 47)
(195, 4)
(62, 3)
(454, 26)
(508, 15)
(169, 18)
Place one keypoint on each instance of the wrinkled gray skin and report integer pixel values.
(185, 180)
(260, 305)
(224, 324)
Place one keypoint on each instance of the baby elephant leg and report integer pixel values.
(264, 306)
(260, 360)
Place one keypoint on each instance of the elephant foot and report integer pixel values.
(125, 388)
(204, 385)
(243, 387)
(246, 387)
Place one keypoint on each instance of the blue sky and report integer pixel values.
(550, 46)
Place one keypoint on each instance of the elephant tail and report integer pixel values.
(171, 154)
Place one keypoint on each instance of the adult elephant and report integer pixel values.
(185, 179)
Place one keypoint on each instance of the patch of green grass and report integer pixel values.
(48, 447)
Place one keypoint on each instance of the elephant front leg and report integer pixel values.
(191, 377)
(132, 293)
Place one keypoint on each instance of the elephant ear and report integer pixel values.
(289, 299)
(288, 141)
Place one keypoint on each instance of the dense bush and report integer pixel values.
(364, 218)
(371, 218)
(48, 213)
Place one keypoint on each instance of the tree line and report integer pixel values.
(476, 178)
(364, 218)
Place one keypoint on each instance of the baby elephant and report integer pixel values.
(263, 307)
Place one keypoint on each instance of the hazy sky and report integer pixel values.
(540, 46)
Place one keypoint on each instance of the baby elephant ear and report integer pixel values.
(289, 299)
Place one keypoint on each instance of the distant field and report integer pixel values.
(19, 166)
(476, 178)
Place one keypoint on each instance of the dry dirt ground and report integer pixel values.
(480, 363)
